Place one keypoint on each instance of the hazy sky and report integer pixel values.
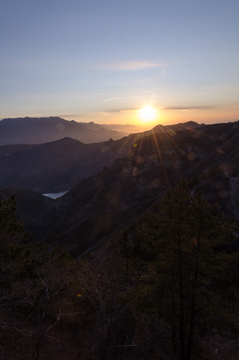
(102, 60)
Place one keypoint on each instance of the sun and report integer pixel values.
(147, 113)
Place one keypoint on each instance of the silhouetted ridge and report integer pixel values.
(41, 130)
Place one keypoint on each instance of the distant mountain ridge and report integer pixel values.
(104, 202)
(59, 165)
(42, 130)
(124, 129)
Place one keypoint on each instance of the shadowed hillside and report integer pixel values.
(59, 165)
(104, 202)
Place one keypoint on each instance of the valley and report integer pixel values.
(109, 184)
(119, 180)
(97, 258)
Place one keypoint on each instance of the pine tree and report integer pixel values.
(35, 283)
(192, 277)
(9, 226)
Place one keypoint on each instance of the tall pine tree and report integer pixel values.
(192, 282)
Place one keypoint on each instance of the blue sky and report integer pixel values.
(103, 60)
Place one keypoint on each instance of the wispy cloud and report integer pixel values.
(122, 110)
(86, 115)
(188, 108)
(132, 65)
(129, 110)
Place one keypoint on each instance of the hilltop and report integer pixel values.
(98, 205)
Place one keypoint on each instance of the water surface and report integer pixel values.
(55, 195)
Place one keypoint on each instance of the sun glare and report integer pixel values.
(147, 113)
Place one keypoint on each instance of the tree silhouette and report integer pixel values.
(10, 227)
(189, 277)
(36, 285)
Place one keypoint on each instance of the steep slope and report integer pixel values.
(50, 167)
(32, 209)
(59, 165)
(98, 205)
(207, 156)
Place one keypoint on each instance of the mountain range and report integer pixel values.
(59, 165)
(138, 170)
(41, 130)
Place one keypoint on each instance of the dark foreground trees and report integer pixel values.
(154, 293)
(188, 281)
(36, 288)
